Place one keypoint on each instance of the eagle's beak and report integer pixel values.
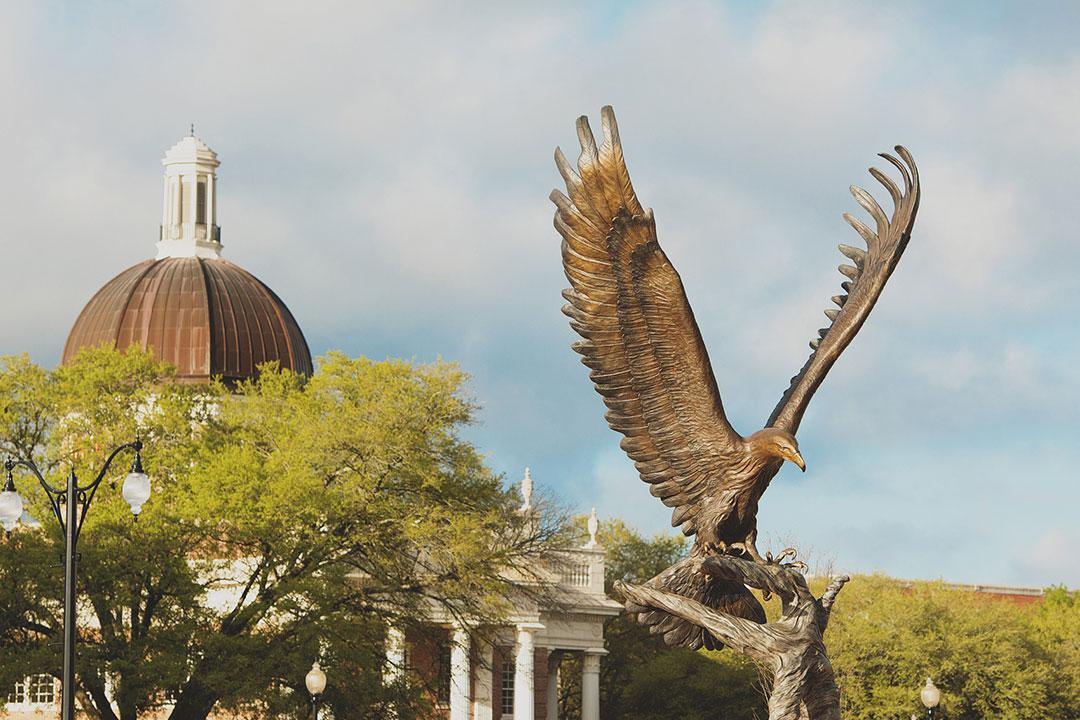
(796, 457)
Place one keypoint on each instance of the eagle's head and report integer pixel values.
(776, 443)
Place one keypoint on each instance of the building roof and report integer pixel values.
(206, 316)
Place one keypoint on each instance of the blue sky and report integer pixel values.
(385, 168)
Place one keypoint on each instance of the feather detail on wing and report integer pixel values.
(867, 276)
(638, 332)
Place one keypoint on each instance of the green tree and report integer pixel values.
(1056, 625)
(693, 686)
(992, 658)
(291, 519)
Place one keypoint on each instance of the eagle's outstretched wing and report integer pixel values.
(867, 278)
(639, 335)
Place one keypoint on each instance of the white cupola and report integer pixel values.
(189, 211)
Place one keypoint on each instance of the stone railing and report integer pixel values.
(582, 569)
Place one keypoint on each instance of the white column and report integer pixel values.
(483, 690)
(395, 654)
(590, 684)
(553, 685)
(524, 689)
(459, 676)
(110, 693)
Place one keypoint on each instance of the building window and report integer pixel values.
(442, 673)
(42, 689)
(200, 202)
(506, 687)
(36, 689)
(185, 202)
(18, 693)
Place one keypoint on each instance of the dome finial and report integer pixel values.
(191, 133)
(593, 525)
(527, 491)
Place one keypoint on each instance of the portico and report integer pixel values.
(511, 672)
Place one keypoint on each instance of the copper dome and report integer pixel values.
(206, 316)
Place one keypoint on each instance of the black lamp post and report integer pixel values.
(930, 697)
(77, 501)
(316, 683)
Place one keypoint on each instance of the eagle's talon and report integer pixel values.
(784, 555)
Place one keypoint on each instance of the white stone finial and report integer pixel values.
(527, 491)
(593, 525)
(189, 208)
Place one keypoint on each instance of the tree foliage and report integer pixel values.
(291, 519)
(991, 657)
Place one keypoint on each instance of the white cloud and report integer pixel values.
(1035, 107)
(618, 492)
(1051, 558)
(972, 247)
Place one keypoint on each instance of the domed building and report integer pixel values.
(205, 315)
(211, 318)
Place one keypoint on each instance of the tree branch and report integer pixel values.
(742, 635)
(829, 596)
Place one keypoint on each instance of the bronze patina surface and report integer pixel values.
(208, 317)
(650, 366)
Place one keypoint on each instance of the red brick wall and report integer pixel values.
(423, 647)
(540, 666)
(499, 656)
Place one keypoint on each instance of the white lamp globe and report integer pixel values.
(315, 680)
(136, 490)
(11, 508)
(930, 695)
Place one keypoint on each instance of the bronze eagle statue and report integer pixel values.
(649, 364)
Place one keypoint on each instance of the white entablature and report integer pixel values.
(189, 206)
